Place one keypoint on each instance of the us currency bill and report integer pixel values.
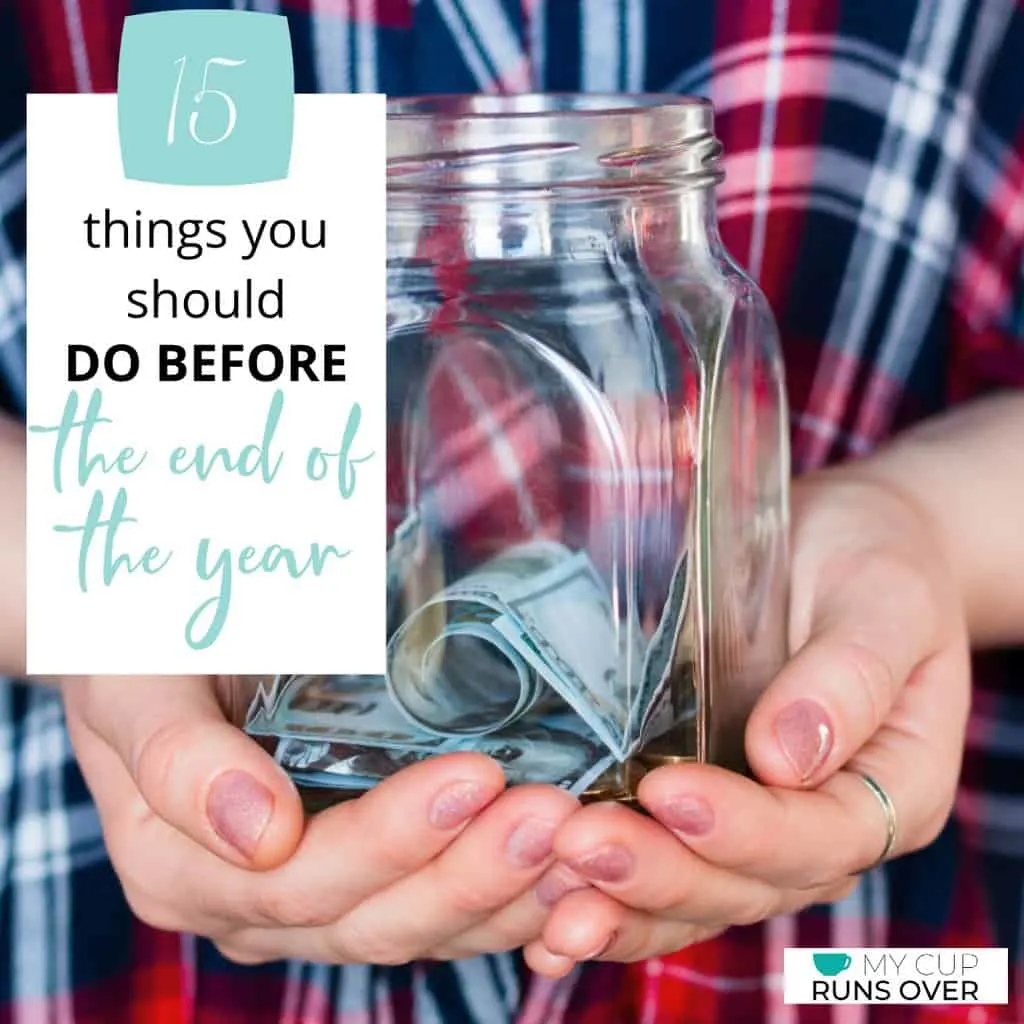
(343, 708)
(563, 624)
(555, 750)
(465, 679)
(547, 617)
(356, 711)
(529, 641)
(656, 710)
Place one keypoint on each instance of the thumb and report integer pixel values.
(868, 634)
(194, 769)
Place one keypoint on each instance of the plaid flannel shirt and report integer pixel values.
(875, 188)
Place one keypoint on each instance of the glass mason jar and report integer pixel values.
(588, 462)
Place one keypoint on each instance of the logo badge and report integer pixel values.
(206, 98)
(937, 977)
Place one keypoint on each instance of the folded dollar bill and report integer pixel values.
(543, 618)
(555, 750)
(526, 659)
(354, 709)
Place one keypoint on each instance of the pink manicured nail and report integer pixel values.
(607, 864)
(532, 842)
(691, 815)
(457, 803)
(239, 809)
(558, 882)
(805, 735)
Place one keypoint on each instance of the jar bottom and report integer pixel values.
(617, 785)
(621, 783)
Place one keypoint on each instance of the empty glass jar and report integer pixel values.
(588, 456)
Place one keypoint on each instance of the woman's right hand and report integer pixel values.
(208, 837)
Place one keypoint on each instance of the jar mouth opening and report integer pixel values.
(576, 145)
(516, 106)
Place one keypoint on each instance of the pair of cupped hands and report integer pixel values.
(443, 862)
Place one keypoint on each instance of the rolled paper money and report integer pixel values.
(465, 679)
(528, 636)
(535, 617)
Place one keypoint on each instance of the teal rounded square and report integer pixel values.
(206, 98)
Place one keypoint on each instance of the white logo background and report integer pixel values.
(899, 976)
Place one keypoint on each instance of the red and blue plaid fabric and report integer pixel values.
(875, 187)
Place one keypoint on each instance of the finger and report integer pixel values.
(510, 928)
(542, 961)
(520, 922)
(583, 925)
(645, 867)
(587, 925)
(794, 901)
(498, 857)
(869, 631)
(558, 881)
(171, 882)
(782, 837)
(347, 854)
(357, 849)
(195, 770)
(595, 928)
(600, 927)
(793, 838)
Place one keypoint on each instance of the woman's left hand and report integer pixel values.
(879, 684)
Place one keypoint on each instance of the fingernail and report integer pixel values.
(457, 803)
(691, 815)
(608, 864)
(239, 808)
(805, 735)
(558, 882)
(601, 950)
(532, 842)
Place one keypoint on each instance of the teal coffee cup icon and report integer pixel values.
(831, 964)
